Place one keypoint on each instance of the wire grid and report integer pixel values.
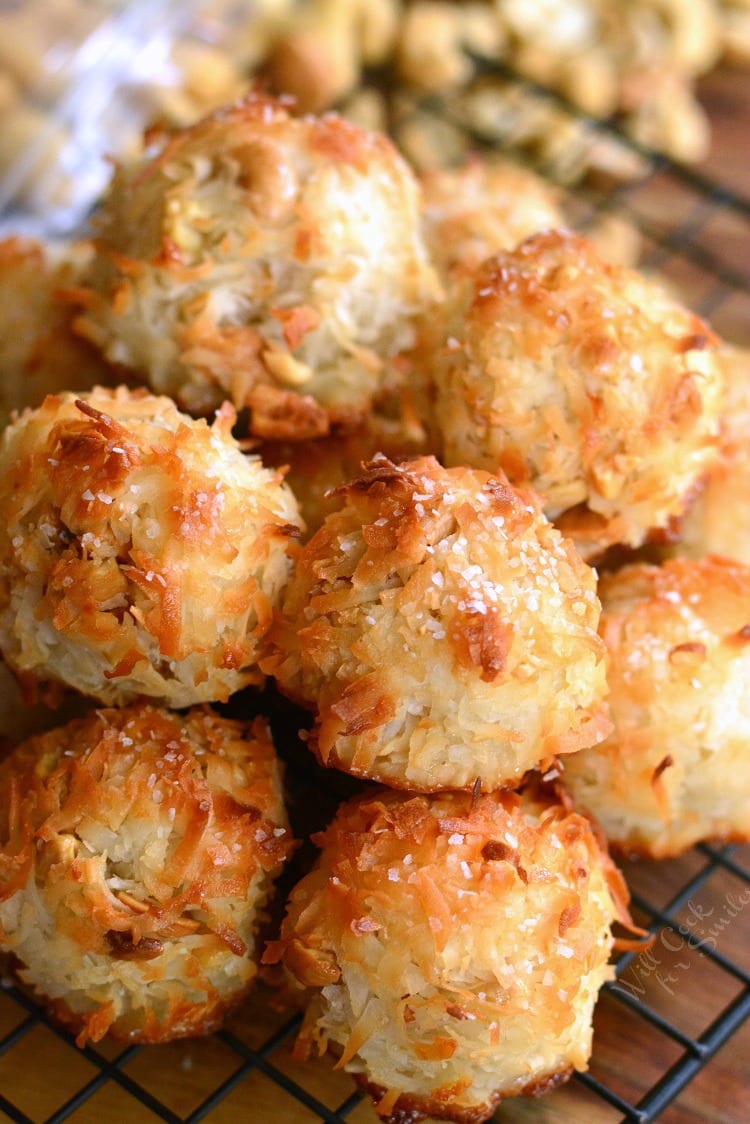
(684, 999)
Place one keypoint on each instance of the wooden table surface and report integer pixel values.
(41, 1071)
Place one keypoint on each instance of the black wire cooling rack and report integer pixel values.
(659, 1026)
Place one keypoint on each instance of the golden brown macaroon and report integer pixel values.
(141, 552)
(270, 260)
(453, 947)
(719, 520)
(137, 849)
(582, 379)
(39, 353)
(674, 770)
(472, 211)
(443, 630)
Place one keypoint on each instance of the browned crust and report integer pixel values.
(411, 1108)
(332, 760)
(185, 1021)
(282, 415)
(332, 135)
(343, 896)
(531, 272)
(40, 803)
(382, 474)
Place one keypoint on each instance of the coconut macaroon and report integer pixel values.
(443, 631)
(137, 849)
(475, 210)
(674, 770)
(719, 520)
(270, 260)
(582, 379)
(453, 946)
(141, 552)
(39, 353)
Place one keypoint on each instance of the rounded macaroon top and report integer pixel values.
(272, 260)
(140, 551)
(583, 379)
(443, 631)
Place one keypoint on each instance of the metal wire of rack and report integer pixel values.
(660, 1023)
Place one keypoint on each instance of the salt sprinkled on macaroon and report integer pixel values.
(453, 947)
(442, 631)
(585, 381)
(141, 552)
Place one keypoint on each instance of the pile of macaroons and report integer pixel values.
(369, 436)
